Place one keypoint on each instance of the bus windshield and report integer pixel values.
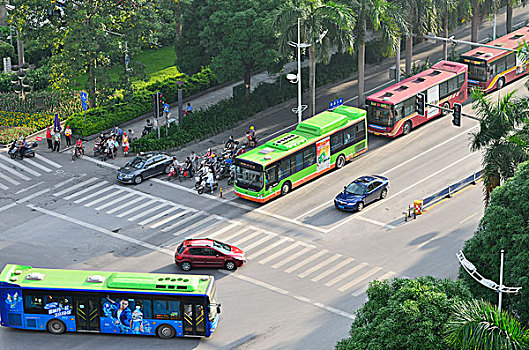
(380, 116)
(477, 73)
(248, 176)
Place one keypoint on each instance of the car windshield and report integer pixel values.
(137, 163)
(355, 188)
(222, 246)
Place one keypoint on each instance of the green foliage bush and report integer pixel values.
(39, 78)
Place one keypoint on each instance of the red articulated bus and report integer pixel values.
(391, 112)
(489, 68)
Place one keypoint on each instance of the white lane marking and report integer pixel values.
(374, 222)
(74, 187)
(248, 237)
(284, 218)
(183, 221)
(279, 253)
(104, 198)
(467, 218)
(76, 194)
(25, 199)
(271, 246)
(10, 180)
(108, 165)
(37, 165)
(14, 172)
(143, 205)
(345, 274)
(30, 187)
(159, 215)
(147, 212)
(362, 290)
(374, 205)
(23, 167)
(60, 184)
(269, 235)
(126, 204)
(278, 131)
(119, 199)
(5, 207)
(292, 257)
(50, 162)
(5, 188)
(92, 195)
(359, 279)
(198, 224)
(170, 218)
(232, 225)
(332, 270)
(307, 260)
(319, 266)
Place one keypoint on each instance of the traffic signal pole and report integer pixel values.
(452, 111)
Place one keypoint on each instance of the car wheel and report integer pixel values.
(501, 83)
(167, 169)
(406, 128)
(138, 180)
(445, 105)
(340, 162)
(384, 193)
(230, 265)
(186, 266)
(165, 332)
(285, 188)
(56, 327)
(360, 206)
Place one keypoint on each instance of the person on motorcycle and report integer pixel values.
(210, 179)
(147, 128)
(22, 148)
(79, 147)
(188, 166)
(230, 144)
(112, 145)
(208, 154)
(252, 140)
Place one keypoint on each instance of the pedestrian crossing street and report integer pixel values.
(175, 222)
(14, 172)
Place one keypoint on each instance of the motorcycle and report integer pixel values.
(29, 153)
(223, 171)
(201, 184)
(175, 172)
(100, 146)
(146, 129)
(110, 153)
(76, 153)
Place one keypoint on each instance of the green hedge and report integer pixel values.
(119, 111)
(228, 113)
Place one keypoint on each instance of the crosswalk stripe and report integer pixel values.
(76, 194)
(269, 235)
(345, 274)
(198, 224)
(124, 205)
(143, 205)
(319, 266)
(60, 184)
(292, 257)
(247, 238)
(4, 187)
(74, 187)
(119, 199)
(359, 279)
(104, 198)
(271, 246)
(17, 164)
(189, 218)
(159, 215)
(279, 253)
(147, 212)
(170, 218)
(10, 180)
(52, 163)
(332, 269)
(306, 261)
(362, 290)
(224, 229)
(14, 172)
(92, 195)
(233, 234)
(37, 165)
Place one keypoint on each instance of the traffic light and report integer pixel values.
(160, 104)
(420, 104)
(154, 104)
(21, 84)
(457, 114)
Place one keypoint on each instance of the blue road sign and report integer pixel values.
(335, 103)
(166, 108)
(84, 96)
(85, 106)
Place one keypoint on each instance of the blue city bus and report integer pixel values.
(58, 301)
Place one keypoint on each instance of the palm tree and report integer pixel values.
(384, 19)
(481, 8)
(510, 4)
(500, 137)
(445, 9)
(324, 25)
(476, 324)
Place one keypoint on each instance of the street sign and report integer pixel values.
(84, 98)
(166, 108)
(335, 103)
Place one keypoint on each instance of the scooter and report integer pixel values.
(223, 171)
(231, 179)
(30, 151)
(175, 172)
(77, 153)
(203, 186)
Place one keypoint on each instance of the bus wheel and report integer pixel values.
(56, 327)
(165, 332)
(340, 162)
(445, 105)
(406, 128)
(501, 83)
(285, 188)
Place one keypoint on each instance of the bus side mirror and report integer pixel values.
(218, 309)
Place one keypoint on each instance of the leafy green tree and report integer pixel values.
(480, 9)
(405, 315)
(324, 25)
(444, 9)
(476, 324)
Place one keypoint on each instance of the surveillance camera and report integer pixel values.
(292, 77)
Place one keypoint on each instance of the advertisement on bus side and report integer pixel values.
(323, 154)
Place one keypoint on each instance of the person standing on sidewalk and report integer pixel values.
(68, 135)
(48, 137)
(56, 141)
(125, 144)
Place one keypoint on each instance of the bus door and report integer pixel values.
(194, 319)
(87, 314)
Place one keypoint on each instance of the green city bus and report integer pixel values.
(56, 300)
(318, 144)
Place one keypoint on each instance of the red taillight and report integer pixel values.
(178, 257)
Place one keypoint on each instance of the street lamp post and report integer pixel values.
(471, 270)
(296, 78)
(180, 116)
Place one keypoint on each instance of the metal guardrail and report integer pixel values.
(448, 191)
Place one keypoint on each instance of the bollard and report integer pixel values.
(405, 216)
(449, 195)
(474, 178)
(220, 191)
(417, 207)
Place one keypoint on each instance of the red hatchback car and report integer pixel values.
(207, 252)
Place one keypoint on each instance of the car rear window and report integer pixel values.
(180, 248)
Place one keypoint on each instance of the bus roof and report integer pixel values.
(30, 277)
(305, 133)
(512, 40)
(407, 88)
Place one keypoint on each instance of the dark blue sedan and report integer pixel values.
(361, 192)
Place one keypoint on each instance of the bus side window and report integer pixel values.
(308, 156)
(34, 304)
(452, 85)
(336, 142)
(146, 307)
(348, 136)
(284, 168)
(500, 65)
(511, 60)
(271, 176)
(166, 310)
(360, 133)
(443, 90)
(296, 162)
(460, 80)
(409, 106)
